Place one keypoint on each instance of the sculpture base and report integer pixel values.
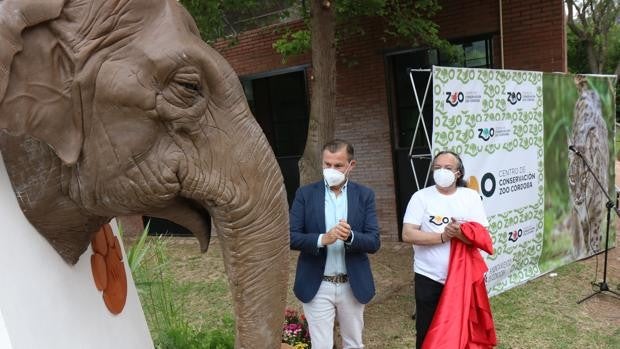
(46, 303)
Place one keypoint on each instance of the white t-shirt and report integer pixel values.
(432, 211)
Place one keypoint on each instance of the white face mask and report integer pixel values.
(333, 177)
(444, 177)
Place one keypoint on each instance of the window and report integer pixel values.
(472, 54)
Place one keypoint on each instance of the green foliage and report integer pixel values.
(137, 252)
(411, 20)
(346, 9)
(578, 57)
(559, 99)
(406, 20)
(164, 301)
(576, 54)
(222, 18)
(293, 43)
(208, 16)
(186, 338)
(594, 24)
(613, 53)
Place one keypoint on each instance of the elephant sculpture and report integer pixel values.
(117, 107)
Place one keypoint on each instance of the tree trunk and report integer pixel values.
(593, 61)
(323, 89)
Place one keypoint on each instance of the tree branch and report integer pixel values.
(571, 20)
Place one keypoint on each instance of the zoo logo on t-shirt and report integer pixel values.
(438, 220)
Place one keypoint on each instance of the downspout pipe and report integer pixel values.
(501, 34)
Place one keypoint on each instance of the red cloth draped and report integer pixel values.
(463, 317)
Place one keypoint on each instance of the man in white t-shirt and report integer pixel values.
(433, 218)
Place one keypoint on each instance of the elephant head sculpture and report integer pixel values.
(116, 107)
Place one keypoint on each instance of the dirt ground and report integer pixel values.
(388, 316)
(388, 322)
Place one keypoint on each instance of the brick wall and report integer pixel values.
(363, 119)
(534, 35)
(534, 32)
(534, 39)
(253, 52)
(461, 19)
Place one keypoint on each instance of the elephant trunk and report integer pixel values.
(255, 246)
(257, 267)
(226, 165)
(244, 193)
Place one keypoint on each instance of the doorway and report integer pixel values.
(474, 52)
(404, 116)
(279, 103)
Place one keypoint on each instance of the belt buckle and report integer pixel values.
(336, 279)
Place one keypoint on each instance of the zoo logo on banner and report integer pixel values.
(515, 235)
(514, 97)
(520, 231)
(493, 132)
(485, 133)
(453, 98)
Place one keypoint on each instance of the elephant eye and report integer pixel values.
(190, 86)
(184, 88)
(190, 82)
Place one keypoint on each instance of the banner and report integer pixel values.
(500, 122)
(579, 110)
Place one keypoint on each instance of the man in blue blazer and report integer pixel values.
(333, 223)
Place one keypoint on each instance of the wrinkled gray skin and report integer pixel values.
(117, 108)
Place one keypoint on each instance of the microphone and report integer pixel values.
(574, 150)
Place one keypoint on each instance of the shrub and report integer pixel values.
(163, 300)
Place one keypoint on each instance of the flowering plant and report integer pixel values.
(295, 330)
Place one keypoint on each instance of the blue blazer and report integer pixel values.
(307, 221)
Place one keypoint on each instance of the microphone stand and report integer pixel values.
(602, 286)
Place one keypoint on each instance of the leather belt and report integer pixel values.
(337, 279)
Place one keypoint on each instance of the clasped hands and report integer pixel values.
(452, 230)
(340, 231)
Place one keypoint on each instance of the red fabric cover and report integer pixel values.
(463, 317)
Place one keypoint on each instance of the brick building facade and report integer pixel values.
(532, 34)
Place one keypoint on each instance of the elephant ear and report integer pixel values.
(64, 138)
(15, 16)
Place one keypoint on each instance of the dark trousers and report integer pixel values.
(427, 292)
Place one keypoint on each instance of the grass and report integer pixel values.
(542, 313)
(167, 300)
